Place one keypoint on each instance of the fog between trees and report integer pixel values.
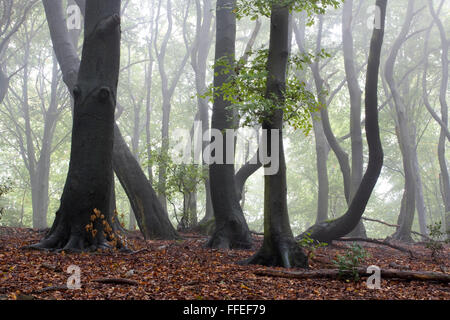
(167, 53)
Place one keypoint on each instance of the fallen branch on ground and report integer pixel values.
(335, 274)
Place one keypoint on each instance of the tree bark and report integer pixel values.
(126, 167)
(167, 90)
(321, 143)
(328, 231)
(88, 184)
(231, 230)
(445, 178)
(403, 134)
(279, 246)
(199, 59)
(355, 108)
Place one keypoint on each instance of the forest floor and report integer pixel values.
(183, 269)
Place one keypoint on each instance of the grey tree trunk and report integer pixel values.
(199, 58)
(444, 175)
(321, 143)
(167, 90)
(322, 151)
(355, 109)
(231, 229)
(403, 133)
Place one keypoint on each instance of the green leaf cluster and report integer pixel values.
(245, 89)
(435, 243)
(351, 260)
(256, 8)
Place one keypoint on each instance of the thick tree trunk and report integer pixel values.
(328, 231)
(231, 230)
(86, 197)
(126, 167)
(279, 246)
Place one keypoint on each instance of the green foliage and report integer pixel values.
(181, 178)
(5, 187)
(246, 90)
(351, 260)
(436, 240)
(310, 245)
(256, 8)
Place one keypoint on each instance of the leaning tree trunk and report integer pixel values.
(82, 222)
(328, 231)
(279, 246)
(140, 192)
(231, 230)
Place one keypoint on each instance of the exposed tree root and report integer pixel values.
(288, 255)
(230, 235)
(335, 274)
(75, 244)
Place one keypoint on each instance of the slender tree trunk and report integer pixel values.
(355, 109)
(4, 84)
(167, 90)
(231, 230)
(403, 133)
(199, 58)
(322, 150)
(444, 175)
(321, 144)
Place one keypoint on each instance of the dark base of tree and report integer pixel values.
(286, 254)
(73, 237)
(231, 235)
